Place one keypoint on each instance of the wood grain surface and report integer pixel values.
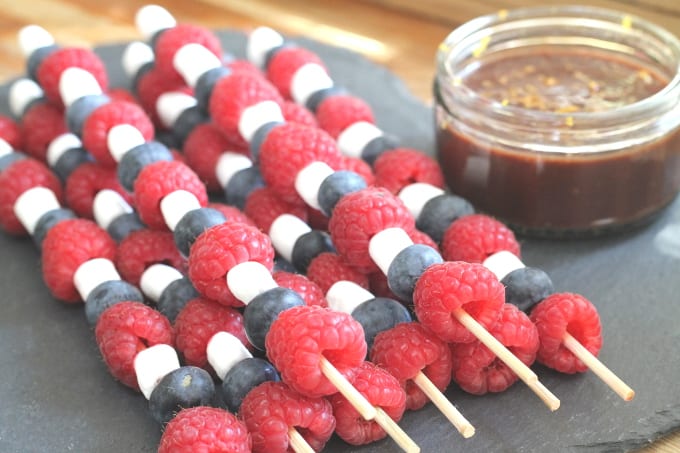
(400, 34)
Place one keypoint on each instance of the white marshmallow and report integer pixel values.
(307, 80)
(176, 204)
(224, 351)
(284, 231)
(156, 278)
(502, 263)
(260, 42)
(258, 115)
(32, 38)
(107, 206)
(92, 273)
(152, 364)
(171, 105)
(21, 93)
(386, 245)
(136, 55)
(151, 19)
(32, 204)
(5, 148)
(75, 83)
(122, 138)
(59, 145)
(416, 195)
(308, 182)
(249, 279)
(354, 138)
(194, 60)
(229, 164)
(345, 296)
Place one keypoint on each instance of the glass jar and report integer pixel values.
(560, 120)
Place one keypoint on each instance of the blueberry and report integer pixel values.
(243, 377)
(193, 224)
(258, 139)
(309, 246)
(316, 98)
(175, 296)
(69, 161)
(408, 266)
(123, 225)
(36, 58)
(283, 265)
(9, 159)
(377, 146)
(261, 312)
(139, 157)
(527, 286)
(107, 294)
(185, 387)
(241, 185)
(205, 84)
(47, 221)
(187, 122)
(379, 314)
(440, 212)
(337, 185)
(78, 112)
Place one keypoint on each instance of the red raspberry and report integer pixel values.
(283, 65)
(144, 248)
(203, 148)
(159, 179)
(359, 167)
(378, 285)
(264, 206)
(104, 118)
(196, 324)
(173, 39)
(307, 289)
(85, 182)
(219, 249)
(16, 179)
(397, 168)
(288, 149)
(562, 313)
(233, 94)
(337, 113)
(151, 85)
(242, 65)
(327, 268)
(205, 429)
(408, 349)
(418, 237)
(232, 213)
(49, 71)
(66, 246)
(41, 124)
(445, 287)
(300, 336)
(11, 132)
(382, 390)
(272, 408)
(122, 95)
(473, 238)
(296, 113)
(477, 370)
(316, 219)
(123, 330)
(360, 215)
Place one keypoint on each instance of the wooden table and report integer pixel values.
(400, 34)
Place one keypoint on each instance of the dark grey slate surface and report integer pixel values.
(56, 394)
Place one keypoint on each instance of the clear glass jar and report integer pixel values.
(560, 120)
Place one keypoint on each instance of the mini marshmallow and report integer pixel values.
(416, 195)
(502, 263)
(32, 38)
(307, 80)
(308, 181)
(176, 204)
(386, 245)
(156, 278)
(354, 139)
(136, 55)
(284, 232)
(5, 148)
(194, 60)
(122, 138)
(345, 296)
(107, 206)
(152, 364)
(249, 279)
(21, 93)
(260, 42)
(229, 164)
(31, 205)
(75, 83)
(224, 351)
(92, 273)
(171, 105)
(151, 19)
(59, 145)
(258, 115)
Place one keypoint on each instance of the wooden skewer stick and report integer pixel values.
(599, 368)
(515, 364)
(297, 442)
(444, 405)
(395, 432)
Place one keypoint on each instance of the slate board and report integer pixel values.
(56, 394)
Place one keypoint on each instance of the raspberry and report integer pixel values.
(122, 95)
(243, 65)
(327, 268)
(475, 237)
(283, 65)
(16, 179)
(123, 330)
(288, 149)
(360, 215)
(408, 349)
(49, 71)
(359, 167)
(300, 336)
(202, 149)
(11, 132)
(196, 324)
(85, 182)
(143, 248)
(219, 249)
(271, 408)
(151, 85)
(377, 282)
(264, 206)
(445, 287)
(205, 429)
(477, 370)
(233, 94)
(172, 39)
(103, 119)
(296, 113)
(232, 214)
(66, 246)
(561, 313)
(397, 168)
(382, 390)
(337, 113)
(41, 124)
(418, 237)
(159, 179)
(307, 289)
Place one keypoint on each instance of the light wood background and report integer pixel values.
(401, 34)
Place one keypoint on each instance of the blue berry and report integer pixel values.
(440, 212)
(379, 314)
(283, 265)
(78, 112)
(175, 296)
(527, 286)
(36, 58)
(69, 161)
(9, 159)
(309, 246)
(123, 225)
(47, 221)
(408, 266)
(193, 224)
(243, 377)
(107, 294)
(205, 84)
(258, 139)
(241, 185)
(187, 122)
(377, 146)
(139, 157)
(185, 387)
(261, 312)
(167, 138)
(337, 185)
(314, 101)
